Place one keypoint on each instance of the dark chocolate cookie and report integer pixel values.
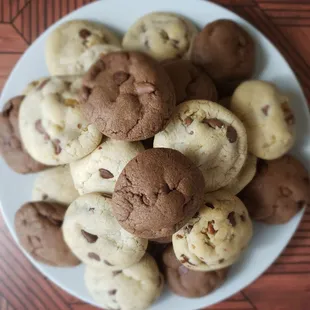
(38, 228)
(189, 283)
(190, 81)
(227, 53)
(278, 191)
(128, 96)
(11, 146)
(157, 193)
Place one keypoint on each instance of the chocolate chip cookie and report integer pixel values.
(211, 136)
(227, 53)
(267, 117)
(52, 127)
(38, 228)
(95, 236)
(216, 236)
(278, 191)
(190, 81)
(128, 96)
(161, 35)
(188, 283)
(157, 193)
(11, 147)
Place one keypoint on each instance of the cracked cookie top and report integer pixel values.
(38, 228)
(216, 236)
(157, 193)
(128, 96)
(189, 81)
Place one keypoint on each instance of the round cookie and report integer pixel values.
(267, 117)
(161, 35)
(157, 193)
(99, 171)
(11, 147)
(189, 283)
(211, 136)
(38, 228)
(133, 288)
(227, 53)
(244, 177)
(52, 127)
(189, 81)
(128, 96)
(96, 238)
(75, 45)
(55, 185)
(278, 191)
(216, 236)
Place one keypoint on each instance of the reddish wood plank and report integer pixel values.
(10, 40)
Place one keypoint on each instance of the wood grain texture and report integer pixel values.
(286, 284)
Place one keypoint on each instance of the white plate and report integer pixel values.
(268, 241)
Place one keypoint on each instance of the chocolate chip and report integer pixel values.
(100, 148)
(79, 126)
(185, 259)
(285, 191)
(7, 109)
(89, 237)
(211, 229)
(44, 197)
(143, 88)
(179, 236)
(84, 33)
(209, 205)
(301, 204)
(231, 134)
(94, 256)
(187, 121)
(213, 123)
(265, 109)
(107, 263)
(182, 270)
(116, 272)
(221, 261)
(147, 43)
(42, 84)
(105, 174)
(174, 43)
(243, 218)
(231, 218)
(85, 93)
(290, 119)
(164, 35)
(91, 210)
(120, 77)
(188, 229)
(57, 147)
(112, 292)
(288, 115)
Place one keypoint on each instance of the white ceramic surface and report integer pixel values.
(268, 241)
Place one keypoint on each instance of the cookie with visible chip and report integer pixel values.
(189, 81)
(157, 193)
(38, 228)
(96, 238)
(211, 136)
(278, 191)
(216, 236)
(11, 147)
(161, 35)
(188, 283)
(128, 96)
(52, 127)
(227, 53)
(74, 46)
(99, 171)
(267, 117)
(55, 185)
(132, 288)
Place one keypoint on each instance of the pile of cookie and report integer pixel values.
(143, 148)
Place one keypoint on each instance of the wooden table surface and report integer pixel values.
(286, 284)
